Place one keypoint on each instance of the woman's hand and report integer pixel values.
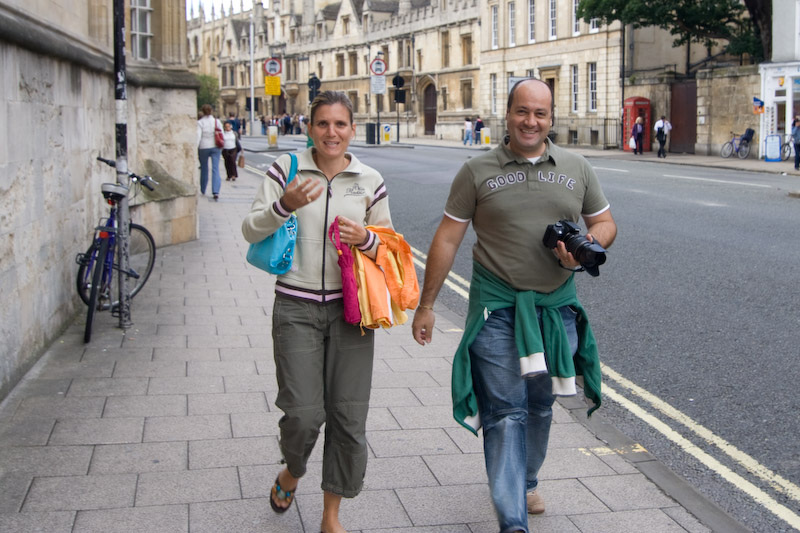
(351, 232)
(302, 192)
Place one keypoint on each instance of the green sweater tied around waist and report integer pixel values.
(489, 293)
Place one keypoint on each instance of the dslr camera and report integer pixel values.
(589, 254)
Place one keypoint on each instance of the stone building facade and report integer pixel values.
(459, 58)
(57, 114)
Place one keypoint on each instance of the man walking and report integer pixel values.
(523, 308)
(796, 141)
(662, 129)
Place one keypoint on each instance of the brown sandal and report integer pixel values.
(286, 496)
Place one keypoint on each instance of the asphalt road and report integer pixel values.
(697, 305)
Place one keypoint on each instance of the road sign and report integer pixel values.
(272, 66)
(398, 81)
(378, 66)
(272, 85)
(387, 131)
(377, 84)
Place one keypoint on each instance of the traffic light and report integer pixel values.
(313, 87)
(399, 93)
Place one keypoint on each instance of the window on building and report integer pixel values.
(319, 31)
(283, 30)
(379, 102)
(552, 20)
(346, 25)
(419, 59)
(531, 73)
(495, 43)
(353, 61)
(576, 21)
(531, 21)
(512, 24)
(340, 65)
(592, 86)
(229, 46)
(443, 92)
(365, 22)
(445, 44)
(466, 49)
(574, 88)
(353, 96)
(466, 93)
(141, 29)
(319, 70)
(594, 25)
(392, 103)
(385, 50)
(409, 49)
(292, 35)
(493, 92)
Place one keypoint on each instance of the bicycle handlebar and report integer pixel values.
(144, 180)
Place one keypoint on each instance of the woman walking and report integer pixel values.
(206, 147)
(230, 151)
(323, 364)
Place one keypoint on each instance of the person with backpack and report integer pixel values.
(662, 128)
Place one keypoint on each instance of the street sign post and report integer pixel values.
(272, 78)
(378, 82)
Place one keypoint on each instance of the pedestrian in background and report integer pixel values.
(638, 133)
(520, 289)
(478, 128)
(234, 122)
(467, 131)
(206, 147)
(230, 152)
(662, 129)
(796, 140)
(323, 364)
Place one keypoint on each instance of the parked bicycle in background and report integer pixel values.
(738, 144)
(99, 270)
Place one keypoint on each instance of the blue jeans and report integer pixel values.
(468, 137)
(204, 154)
(515, 412)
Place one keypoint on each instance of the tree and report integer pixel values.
(208, 93)
(700, 21)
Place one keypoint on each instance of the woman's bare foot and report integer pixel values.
(330, 514)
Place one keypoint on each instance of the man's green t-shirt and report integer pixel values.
(511, 201)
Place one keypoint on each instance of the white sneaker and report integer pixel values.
(535, 502)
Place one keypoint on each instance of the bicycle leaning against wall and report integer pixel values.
(738, 144)
(99, 271)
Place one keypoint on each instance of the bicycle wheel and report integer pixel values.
(727, 149)
(141, 258)
(744, 150)
(786, 151)
(83, 281)
(98, 270)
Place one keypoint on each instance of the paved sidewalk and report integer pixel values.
(172, 426)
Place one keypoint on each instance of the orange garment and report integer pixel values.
(387, 286)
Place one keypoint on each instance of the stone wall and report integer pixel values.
(56, 116)
(725, 104)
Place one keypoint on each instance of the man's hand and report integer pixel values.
(422, 326)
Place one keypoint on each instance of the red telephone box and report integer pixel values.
(634, 107)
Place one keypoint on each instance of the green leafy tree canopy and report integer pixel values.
(700, 21)
(208, 93)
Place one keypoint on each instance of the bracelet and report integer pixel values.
(420, 306)
(578, 268)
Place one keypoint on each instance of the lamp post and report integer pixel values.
(252, 73)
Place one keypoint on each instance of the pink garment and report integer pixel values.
(352, 313)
